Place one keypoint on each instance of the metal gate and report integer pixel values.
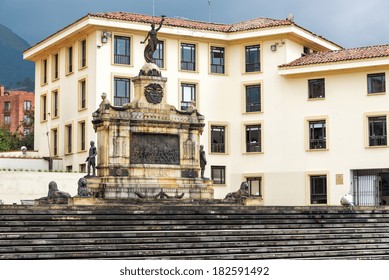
(369, 186)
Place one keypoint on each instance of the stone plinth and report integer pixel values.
(148, 148)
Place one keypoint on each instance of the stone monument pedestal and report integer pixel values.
(148, 148)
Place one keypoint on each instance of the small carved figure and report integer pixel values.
(91, 159)
(152, 43)
(203, 161)
(54, 193)
(82, 189)
(243, 192)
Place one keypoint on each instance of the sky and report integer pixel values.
(349, 23)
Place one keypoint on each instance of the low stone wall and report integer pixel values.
(16, 186)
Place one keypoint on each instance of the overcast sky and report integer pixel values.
(350, 23)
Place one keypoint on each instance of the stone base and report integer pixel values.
(85, 201)
(253, 201)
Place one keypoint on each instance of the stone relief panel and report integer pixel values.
(149, 148)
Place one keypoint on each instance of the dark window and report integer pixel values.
(55, 103)
(55, 64)
(376, 83)
(188, 95)
(70, 59)
(7, 106)
(316, 88)
(255, 185)
(82, 168)
(83, 53)
(122, 50)
(158, 55)
(253, 98)
(69, 138)
(44, 71)
(27, 105)
(253, 57)
(55, 142)
(7, 119)
(218, 175)
(318, 189)
(83, 94)
(121, 91)
(253, 138)
(44, 107)
(377, 131)
(317, 134)
(188, 57)
(218, 134)
(82, 140)
(69, 168)
(217, 60)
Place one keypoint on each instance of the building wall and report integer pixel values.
(16, 112)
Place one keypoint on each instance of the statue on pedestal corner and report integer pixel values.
(91, 159)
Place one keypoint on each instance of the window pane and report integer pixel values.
(122, 50)
(218, 174)
(253, 98)
(253, 138)
(317, 134)
(316, 88)
(217, 139)
(376, 83)
(188, 95)
(188, 58)
(158, 55)
(253, 58)
(318, 189)
(255, 185)
(377, 131)
(122, 91)
(217, 60)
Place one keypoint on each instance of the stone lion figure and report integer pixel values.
(55, 193)
(82, 190)
(243, 192)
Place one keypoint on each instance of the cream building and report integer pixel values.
(300, 118)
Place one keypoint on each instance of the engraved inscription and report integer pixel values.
(155, 149)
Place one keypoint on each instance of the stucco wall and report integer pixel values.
(34, 185)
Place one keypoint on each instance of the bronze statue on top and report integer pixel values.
(152, 43)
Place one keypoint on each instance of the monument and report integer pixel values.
(148, 148)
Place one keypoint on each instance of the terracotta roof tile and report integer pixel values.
(256, 23)
(368, 52)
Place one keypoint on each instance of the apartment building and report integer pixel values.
(298, 117)
(16, 110)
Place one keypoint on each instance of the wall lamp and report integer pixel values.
(104, 36)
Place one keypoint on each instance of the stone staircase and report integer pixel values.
(192, 232)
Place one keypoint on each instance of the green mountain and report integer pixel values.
(15, 73)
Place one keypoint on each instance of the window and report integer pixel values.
(255, 184)
(69, 60)
(69, 168)
(318, 188)
(55, 68)
(188, 57)
(253, 98)
(44, 107)
(218, 175)
(121, 91)
(317, 135)
(217, 60)
(218, 136)
(82, 168)
(68, 138)
(377, 131)
(55, 103)
(253, 57)
(82, 94)
(253, 139)
(27, 105)
(44, 72)
(7, 119)
(316, 88)
(376, 83)
(26, 131)
(7, 106)
(158, 55)
(26, 120)
(83, 53)
(54, 140)
(122, 50)
(82, 136)
(188, 95)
